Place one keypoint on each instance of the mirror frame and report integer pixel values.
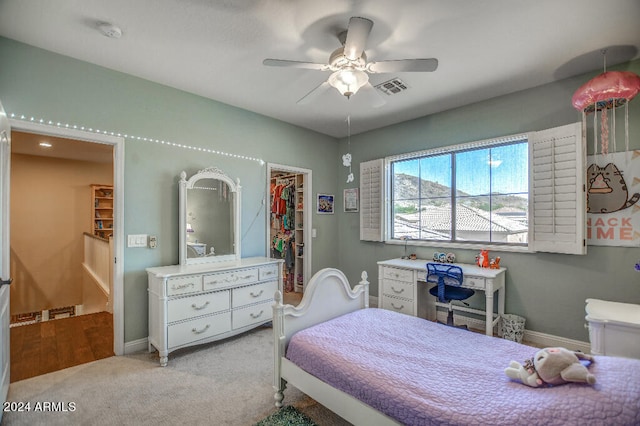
(235, 188)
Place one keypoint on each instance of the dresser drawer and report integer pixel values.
(269, 272)
(397, 274)
(195, 306)
(398, 289)
(253, 294)
(186, 332)
(184, 285)
(398, 305)
(252, 314)
(225, 279)
(474, 282)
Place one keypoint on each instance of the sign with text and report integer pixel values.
(613, 199)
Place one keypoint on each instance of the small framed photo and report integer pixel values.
(325, 204)
(351, 200)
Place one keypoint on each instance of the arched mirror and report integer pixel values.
(209, 217)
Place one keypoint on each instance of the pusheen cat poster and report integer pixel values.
(613, 199)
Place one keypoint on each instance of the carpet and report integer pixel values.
(226, 383)
(287, 416)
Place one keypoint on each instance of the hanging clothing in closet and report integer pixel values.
(283, 223)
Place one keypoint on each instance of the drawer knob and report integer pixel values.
(397, 291)
(257, 295)
(199, 308)
(254, 316)
(393, 305)
(196, 331)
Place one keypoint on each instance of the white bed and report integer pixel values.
(327, 295)
(405, 370)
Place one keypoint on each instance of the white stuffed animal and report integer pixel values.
(552, 366)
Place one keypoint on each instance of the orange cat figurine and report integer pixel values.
(483, 259)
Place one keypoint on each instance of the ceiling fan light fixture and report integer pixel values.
(348, 81)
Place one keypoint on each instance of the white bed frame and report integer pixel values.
(327, 295)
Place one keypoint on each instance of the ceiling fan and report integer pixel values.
(349, 63)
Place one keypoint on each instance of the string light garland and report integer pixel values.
(133, 137)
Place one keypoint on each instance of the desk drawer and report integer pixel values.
(253, 314)
(398, 305)
(195, 306)
(398, 289)
(397, 274)
(184, 285)
(476, 283)
(232, 278)
(254, 294)
(191, 331)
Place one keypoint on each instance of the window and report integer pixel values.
(523, 192)
(468, 194)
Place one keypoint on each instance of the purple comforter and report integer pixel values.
(422, 373)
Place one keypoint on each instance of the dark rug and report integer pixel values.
(287, 416)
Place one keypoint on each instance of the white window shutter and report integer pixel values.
(371, 200)
(557, 161)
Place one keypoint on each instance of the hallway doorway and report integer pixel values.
(43, 336)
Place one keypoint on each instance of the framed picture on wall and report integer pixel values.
(325, 204)
(351, 200)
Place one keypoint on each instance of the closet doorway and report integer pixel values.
(289, 227)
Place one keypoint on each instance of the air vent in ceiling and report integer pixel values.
(392, 87)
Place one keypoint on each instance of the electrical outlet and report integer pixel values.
(153, 241)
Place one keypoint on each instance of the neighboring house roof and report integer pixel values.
(437, 219)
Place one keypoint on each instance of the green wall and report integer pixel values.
(549, 290)
(42, 84)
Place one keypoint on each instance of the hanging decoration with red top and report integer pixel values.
(604, 93)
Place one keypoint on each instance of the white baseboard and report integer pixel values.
(136, 346)
(546, 340)
(533, 338)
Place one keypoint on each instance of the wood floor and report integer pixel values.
(48, 346)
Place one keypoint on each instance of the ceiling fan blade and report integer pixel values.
(294, 64)
(313, 94)
(357, 34)
(403, 65)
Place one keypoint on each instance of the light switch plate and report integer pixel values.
(153, 241)
(138, 240)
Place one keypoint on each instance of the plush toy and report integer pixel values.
(552, 366)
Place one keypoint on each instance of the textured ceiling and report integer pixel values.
(215, 48)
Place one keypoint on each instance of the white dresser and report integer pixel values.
(399, 281)
(194, 304)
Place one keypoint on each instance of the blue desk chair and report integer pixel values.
(449, 281)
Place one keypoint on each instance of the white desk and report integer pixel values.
(398, 287)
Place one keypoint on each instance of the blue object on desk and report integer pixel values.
(449, 281)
